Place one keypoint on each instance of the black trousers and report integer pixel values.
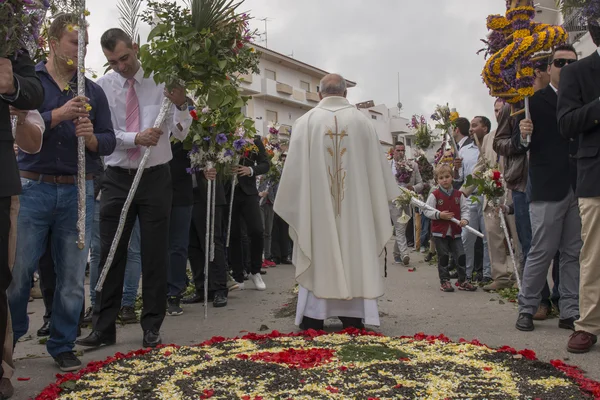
(280, 238)
(5, 274)
(246, 210)
(217, 270)
(48, 281)
(450, 246)
(152, 205)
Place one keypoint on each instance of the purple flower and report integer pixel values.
(206, 138)
(273, 131)
(221, 139)
(239, 144)
(228, 153)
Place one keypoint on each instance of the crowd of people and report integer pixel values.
(333, 204)
(165, 227)
(548, 162)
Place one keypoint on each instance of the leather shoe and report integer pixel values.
(286, 261)
(542, 313)
(151, 339)
(196, 298)
(525, 322)
(581, 342)
(44, 330)
(6, 388)
(220, 300)
(567, 323)
(97, 339)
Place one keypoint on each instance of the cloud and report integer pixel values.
(432, 43)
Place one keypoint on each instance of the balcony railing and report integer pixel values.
(575, 24)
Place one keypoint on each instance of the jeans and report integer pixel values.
(51, 207)
(179, 239)
(133, 270)
(477, 222)
(425, 225)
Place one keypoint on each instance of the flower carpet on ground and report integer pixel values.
(351, 364)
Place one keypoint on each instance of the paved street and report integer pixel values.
(413, 303)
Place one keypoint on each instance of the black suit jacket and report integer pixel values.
(552, 163)
(259, 162)
(31, 97)
(579, 118)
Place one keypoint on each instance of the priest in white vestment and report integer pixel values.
(334, 194)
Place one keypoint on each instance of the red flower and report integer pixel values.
(207, 394)
(496, 175)
(528, 354)
(294, 358)
(498, 184)
(332, 389)
(194, 115)
(20, 379)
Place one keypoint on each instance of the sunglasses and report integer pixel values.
(561, 62)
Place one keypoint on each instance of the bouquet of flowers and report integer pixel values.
(404, 171)
(20, 22)
(423, 134)
(488, 182)
(404, 199)
(445, 117)
(390, 154)
(219, 137)
(425, 168)
(444, 155)
(274, 151)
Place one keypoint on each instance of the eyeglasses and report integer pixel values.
(561, 62)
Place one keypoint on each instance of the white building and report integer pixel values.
(284, 90)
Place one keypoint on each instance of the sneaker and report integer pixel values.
(232, 284)
(422, 250)
(406, 260)
(486, 281)
(67, 361)
(241, 285)
(87, 317)
(258, 282)
(466, 286)
(36, 292)
(428, 257)
(127, 315)
(174, 306)
(446, 287)
(397, 260)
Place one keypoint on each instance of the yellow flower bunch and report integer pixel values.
(88, 107)
(454, 115)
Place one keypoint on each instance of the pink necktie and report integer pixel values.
(132, 121)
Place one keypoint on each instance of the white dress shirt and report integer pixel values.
(150, 97)
(469, 155)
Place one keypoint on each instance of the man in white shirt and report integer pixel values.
(135, 102)
(464, 165)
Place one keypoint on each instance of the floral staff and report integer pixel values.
(508, 73)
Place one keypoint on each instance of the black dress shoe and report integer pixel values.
(567, 323)
(97, 339)
(197, 298)
(151, 339)
(220, 300)
(44, 330)
(286, 261)
(525, 322)
(348, 322)
(311, 323)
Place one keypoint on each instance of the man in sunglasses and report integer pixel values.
(579, 121)
(553, 209)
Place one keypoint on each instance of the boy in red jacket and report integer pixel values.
(449, 203)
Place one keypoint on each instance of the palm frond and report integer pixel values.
(209, 14)
(129, 18)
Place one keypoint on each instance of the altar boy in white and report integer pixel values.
(334, 194)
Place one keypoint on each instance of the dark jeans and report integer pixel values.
(555, 278)
(410, 232)
(425, 225)
(247, 211)
(152, 205)
(48, 282)
(217, 270)
(450, 246)
(179, 238)
(523, 222)
(5, 275)
(280, 239)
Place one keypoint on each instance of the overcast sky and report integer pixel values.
(432, 43)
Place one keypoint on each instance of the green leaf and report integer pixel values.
(157, 30)
(222, 64)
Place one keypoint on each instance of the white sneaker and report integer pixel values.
(241, 286)
(258, 282)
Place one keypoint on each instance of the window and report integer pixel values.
(408, 142)
(318, 89)
(305, 86)
(269, 74)
(373, 116)
(271, 116)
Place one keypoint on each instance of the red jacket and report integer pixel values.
(447, 203)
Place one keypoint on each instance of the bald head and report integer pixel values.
(332, 85)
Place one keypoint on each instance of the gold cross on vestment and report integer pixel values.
(337, 173)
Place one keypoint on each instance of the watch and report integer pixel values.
(183, 107)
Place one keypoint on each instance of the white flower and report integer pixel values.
(240, 131)
(206, 110)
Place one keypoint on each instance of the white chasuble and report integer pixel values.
(334, 194)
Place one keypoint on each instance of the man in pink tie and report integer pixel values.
(135, 102)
